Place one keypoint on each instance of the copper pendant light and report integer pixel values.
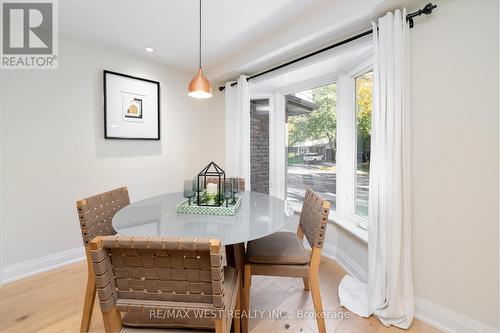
(200, 87)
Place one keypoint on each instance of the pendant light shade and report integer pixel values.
(200, 87)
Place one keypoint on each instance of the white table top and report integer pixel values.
(259, 215)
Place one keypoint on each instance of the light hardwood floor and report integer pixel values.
(53, 302)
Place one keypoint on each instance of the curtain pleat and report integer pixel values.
(389, 291)
(237, 130)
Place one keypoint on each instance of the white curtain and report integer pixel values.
(389, 291)
(237, 130)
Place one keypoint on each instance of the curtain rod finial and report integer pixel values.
(429, 8)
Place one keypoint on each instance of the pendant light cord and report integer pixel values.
(200, 38)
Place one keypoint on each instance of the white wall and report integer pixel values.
(455, 158)
(55, 153)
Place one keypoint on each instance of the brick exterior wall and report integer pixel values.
(259, 150)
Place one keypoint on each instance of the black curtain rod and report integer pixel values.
(426, 10)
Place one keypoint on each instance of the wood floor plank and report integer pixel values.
(53, 302)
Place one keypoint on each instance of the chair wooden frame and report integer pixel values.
(111, 313)
(90, 292)
(308, 272)
(87, 215)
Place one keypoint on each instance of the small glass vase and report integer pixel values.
(228, 190)
(235, 188)
(189, 192)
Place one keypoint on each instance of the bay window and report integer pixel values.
(327, 138)
(319, 138)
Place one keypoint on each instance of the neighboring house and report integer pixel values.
(319, 146)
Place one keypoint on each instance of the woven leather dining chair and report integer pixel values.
(151, 279)
(95, 214)
(283, 253)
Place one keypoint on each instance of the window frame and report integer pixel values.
(345, 213)
(347, 143)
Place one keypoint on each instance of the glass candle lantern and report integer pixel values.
(212, 195)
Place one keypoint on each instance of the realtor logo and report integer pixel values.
(29, 34)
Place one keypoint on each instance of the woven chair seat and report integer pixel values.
(280, 248)
(137, 312)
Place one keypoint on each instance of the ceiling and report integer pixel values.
(238, 35)
(171, 26)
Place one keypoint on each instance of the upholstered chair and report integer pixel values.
(152, 279)
(283, 253)
(95, 215)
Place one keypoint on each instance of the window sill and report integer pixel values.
(351, 225)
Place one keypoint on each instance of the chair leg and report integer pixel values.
(220, 326)
(246, 297)
(306, 283)
(112, 321)
(88, 305)
(237, 314)
(316, 296)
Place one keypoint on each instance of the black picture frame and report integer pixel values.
(108, 72)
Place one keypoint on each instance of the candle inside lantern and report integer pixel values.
(212, 188)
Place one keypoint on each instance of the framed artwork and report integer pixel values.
(131, 107)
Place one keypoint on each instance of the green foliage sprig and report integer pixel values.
(207, 197)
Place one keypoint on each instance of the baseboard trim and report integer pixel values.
(348, 264)
(432, 314)
(30, 267)
(447, 320)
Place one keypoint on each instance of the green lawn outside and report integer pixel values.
(364, 167)
(295, 160)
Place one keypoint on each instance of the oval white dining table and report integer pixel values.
(259, 215)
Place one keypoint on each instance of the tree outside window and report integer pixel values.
(364, 103)
(312, 144)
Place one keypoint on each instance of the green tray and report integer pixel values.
(183, 208)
